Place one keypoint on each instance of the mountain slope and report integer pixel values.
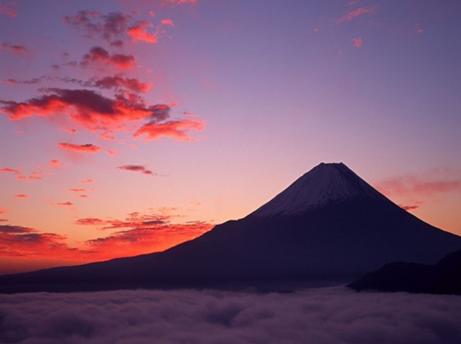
(442, 278)
(328, 225)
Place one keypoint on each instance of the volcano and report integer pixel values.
(329, 225)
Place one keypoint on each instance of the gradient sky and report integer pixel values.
(249, 96)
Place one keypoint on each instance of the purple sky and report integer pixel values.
(272, 88)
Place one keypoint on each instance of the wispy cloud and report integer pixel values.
(417, 186)
(357, 42)
(8, 9)
(65, 204)
(14, 48)
(55, 163)
(167, 22)
(79, 148)
(109, 26)
(118, 82)
(137, 168)
(356, 13)
(177, 129)
(34, 175)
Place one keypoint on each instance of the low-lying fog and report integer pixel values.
(322, 315)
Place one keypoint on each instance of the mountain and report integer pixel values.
(328, 225)
(442, 278)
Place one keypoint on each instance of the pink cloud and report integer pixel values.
(55, 163)
(356, 13)
(177, 129)
(22, 196)
(167, 22)
(415, 186)
(357, 42)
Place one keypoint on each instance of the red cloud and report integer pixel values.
(87, 181)
(26, 241)
(144, 234)
(119, 82)
(177, 129)
(138, 32)
(96, 112)
(356, 13)
(357, 42)
(108, 27)
(17, 49)
(85, 148)
(102, 56)
(147, 239)
(65, 204)
(136, 168)
(414, 186)
(2, 211)
(21, 195)
(84, 106)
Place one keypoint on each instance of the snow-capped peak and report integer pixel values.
(324, 184)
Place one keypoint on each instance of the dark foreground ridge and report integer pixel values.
(441, 278)
(329, 225)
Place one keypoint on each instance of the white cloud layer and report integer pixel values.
(319, 316)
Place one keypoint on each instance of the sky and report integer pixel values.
(127, 127)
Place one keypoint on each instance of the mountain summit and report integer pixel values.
(328, 225)
(324, 184)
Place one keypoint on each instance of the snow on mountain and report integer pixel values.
(324, 184)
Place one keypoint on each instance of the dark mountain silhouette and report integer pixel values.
(328, 225)
(442, 278)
